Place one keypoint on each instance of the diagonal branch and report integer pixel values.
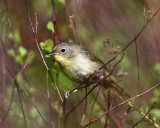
(144, 115)
(133, 40)
(124, 102)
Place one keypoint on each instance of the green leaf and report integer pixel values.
(156, 68)
(22, 51)
(11, 53)
(50, 26)
(15, 36)
(61, 1)
(19, 60)
(10, 36)
(47, 46)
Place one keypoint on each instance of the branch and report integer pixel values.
(133, 40)
(42, 57)
(144, 115)
(10, 104)
(9, 108)
(85, 108)
(75, 29)
(94, 104)
(10, 70)
(98, 83)
(54, 22)
(124, 102)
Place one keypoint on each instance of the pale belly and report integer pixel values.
(81, 68)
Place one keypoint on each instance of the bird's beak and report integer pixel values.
(52, 53)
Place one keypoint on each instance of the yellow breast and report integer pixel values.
(62, 61)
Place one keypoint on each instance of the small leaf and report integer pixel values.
(10, 36)
(50, 26)
(11, 53)
(22, 51)
(47, 46)
(19, 60)
(17, 37)
(61, 1)
(156, 68)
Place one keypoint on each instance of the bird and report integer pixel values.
(81, 66)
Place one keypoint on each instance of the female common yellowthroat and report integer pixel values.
(78, 64)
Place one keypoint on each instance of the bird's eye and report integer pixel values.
(63, 50)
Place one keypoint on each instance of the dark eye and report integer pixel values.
(63, 50)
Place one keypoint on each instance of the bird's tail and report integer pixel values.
(110, 83)
(123, 93)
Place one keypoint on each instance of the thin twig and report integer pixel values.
(64, 112)
(54, 22)
(19, 89)
(144, 115)
(24, 66)
(78, 87)
(58, 102)
(109, 105)
(94, 104)
(75, 29)
(20, 99)
(9, 108)
(10, 104)
(98, 83)
(49, 101)
(36, 108)
(133, 40)
(15, 82)
(42, 57)
(75, 106)
(35, 39)
(122, 103)
(85, 108)
(137, 58)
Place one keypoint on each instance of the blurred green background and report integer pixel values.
(104, 27)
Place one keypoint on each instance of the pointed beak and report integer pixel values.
(52, 53)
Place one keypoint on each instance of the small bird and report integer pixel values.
(78, 64)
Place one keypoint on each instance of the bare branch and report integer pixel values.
(75, 29)
(42, 57)
(84, 113)
(98, 83)
(9, 108)
(144, 115)
(133, 40)
(54, 22)
(124, 102)
(94, 104)
(10, 70)
(137, 58)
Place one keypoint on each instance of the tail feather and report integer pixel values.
(123, 93)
